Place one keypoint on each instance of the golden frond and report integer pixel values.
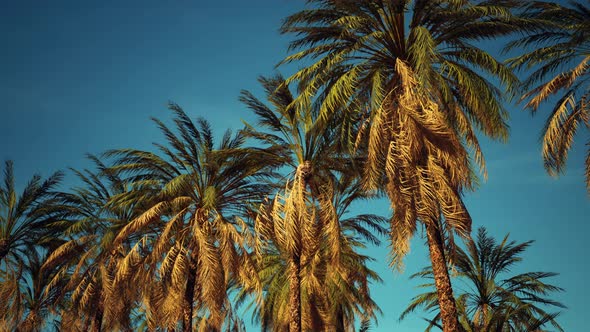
(331, 225)
(131, 261)
(169, 260)
(542, 92)
(559, 132)
(66, 249)
(375, 154)
(210, 273)
(153, 213)
(180, 269)
(163, 240)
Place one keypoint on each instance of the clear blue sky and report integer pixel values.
(85, 76)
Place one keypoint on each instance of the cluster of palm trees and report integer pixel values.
(388, 102)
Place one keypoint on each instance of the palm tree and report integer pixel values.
(334, 278)
(26, 302)
(11, 308)
(202, 194)
(408, 76)
(559, 36)
(25, 218)
(311, 275)
(95, 299)
(493, 299)
(26, 231)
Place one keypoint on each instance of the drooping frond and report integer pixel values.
(560, 67)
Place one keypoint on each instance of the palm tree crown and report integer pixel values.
(494, 300)
(193, 229)
(93, 300)
(306, 245)
(25, 218)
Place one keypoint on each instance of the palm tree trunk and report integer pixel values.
(446, 300)
(295, 294)
(189, 294)
(97, 320)
(340, 320)
(304, 171)
(485, 321)
(3, 248)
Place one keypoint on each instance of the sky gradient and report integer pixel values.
(81, 77)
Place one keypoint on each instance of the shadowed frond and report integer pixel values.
(492, 299)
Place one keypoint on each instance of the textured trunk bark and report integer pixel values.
(189, 294)
(295, 294)
(304, 171)
(446, 301)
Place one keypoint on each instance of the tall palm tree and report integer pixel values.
(559, 64)
(95, 299)
(410, 78)
(299, 146)
(25, 218)
(305, 247)
(494, 300)
(202, 193)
